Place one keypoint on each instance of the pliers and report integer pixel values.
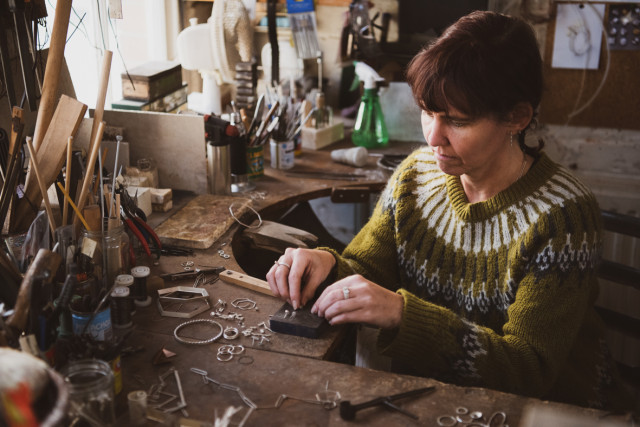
(143, 232)
(135, 220)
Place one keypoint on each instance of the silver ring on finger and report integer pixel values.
(345, 292)
(279, 263)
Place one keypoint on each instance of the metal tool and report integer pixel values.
(184, 275)
(348, 411)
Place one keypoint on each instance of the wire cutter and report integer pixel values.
(133, 218)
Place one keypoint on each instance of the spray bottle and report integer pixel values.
(369, 131)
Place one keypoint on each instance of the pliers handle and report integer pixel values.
(149, 234)
(136, 232)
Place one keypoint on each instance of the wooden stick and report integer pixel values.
(52, 70)
(74, 207)
(246, 281)
(43, 188)
(86, 183)
(102, 94)
(114, 217)
(67, 180)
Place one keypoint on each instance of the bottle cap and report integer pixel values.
(124, 280)
(140, 271)
(120, 292)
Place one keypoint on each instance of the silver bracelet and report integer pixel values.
(197, 342)
(243, 224)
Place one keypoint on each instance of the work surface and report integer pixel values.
(286, 378)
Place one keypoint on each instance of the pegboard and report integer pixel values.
(617, 105)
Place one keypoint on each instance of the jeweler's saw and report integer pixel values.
(286, 320)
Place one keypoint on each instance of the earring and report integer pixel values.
(511, 139)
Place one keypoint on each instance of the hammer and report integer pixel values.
(348, 411)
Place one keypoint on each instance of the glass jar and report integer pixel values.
(91, 392)
(104, 256)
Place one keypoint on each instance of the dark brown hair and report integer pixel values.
(482, 65)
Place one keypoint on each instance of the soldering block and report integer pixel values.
(301, 323)
(315, 139)
(162, 207)
(143, 196)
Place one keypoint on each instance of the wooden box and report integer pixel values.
(152, 80)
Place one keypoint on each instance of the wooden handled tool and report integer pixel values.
(67, 180)
(43, 267)
(246, 281)
(86, 183)
(43, 188)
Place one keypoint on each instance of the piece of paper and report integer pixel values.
(578, 36)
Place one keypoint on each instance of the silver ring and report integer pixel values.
(230, 333)
(447, 421)
(224, 357)
(345, 292)
(279, 263)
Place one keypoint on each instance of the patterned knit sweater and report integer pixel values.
(497, 294)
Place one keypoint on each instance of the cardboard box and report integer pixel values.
(165, 104)
(152, 80)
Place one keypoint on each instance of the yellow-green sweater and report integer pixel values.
(497, 294)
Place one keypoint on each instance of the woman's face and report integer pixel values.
(463, 145)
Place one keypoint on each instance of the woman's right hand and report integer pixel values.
(295, 268)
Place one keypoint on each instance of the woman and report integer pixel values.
(478, 263)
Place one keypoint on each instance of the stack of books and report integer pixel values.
(154, 86)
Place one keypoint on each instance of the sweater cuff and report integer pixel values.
(420, 330)
(341, 269)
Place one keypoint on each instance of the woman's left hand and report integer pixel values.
(355, 299)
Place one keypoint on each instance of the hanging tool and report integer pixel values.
(17, 9)
(302, 16)
(14, 165)
(273, 40)
(5, 61)
(348, 411)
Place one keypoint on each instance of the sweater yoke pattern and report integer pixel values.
(472, 258)
(481, 243)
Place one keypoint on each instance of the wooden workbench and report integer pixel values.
(286, 365)
(274, 194)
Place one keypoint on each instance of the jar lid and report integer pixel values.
(140, 271)
(124, 280)
(120, 292)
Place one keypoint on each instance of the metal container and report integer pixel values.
(218, 168)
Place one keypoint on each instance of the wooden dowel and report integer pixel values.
(52, 71)
(43, 188)
(86, 183)
(74, 207)
(102, 94)
(67, 180)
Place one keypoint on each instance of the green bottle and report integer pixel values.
(370, 130)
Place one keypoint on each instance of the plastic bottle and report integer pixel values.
(370, 130)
